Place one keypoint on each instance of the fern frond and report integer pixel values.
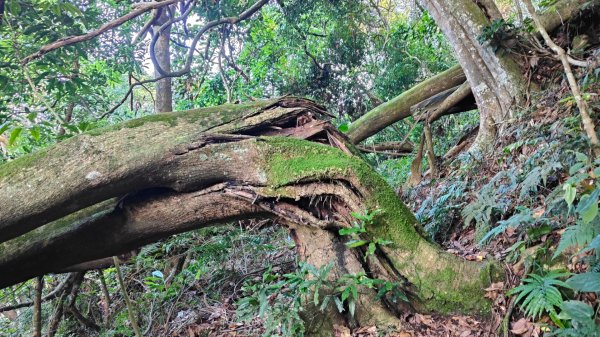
(540, 294)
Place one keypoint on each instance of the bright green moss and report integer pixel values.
(292, 160)
(464, 298)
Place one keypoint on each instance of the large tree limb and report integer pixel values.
(398, 108)
(93, 161)
(193, 179)
(455, 100)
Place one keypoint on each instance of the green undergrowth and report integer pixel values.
(217, 262)
(533, 204)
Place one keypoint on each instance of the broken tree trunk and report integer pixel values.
(452, 101)
(136, 182)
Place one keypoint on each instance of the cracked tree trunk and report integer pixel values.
(136, 182)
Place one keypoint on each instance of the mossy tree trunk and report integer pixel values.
(146, 179)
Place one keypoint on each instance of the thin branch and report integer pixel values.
(48, 297)
(130, 311)
(146, 28)
(430, 153)
(37, 307)
(588, 124)
(140, 9)
(105, 297)
(82, 319)
(224, 78)
(190, 57)
(129, 91)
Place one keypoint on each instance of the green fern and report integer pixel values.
(540, 294)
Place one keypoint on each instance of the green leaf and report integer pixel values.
(581, 157)
(14, 7)
(570, 192)
(343, 127)
(35, 133)
(326, 301)
(339, 304)
(586, 282)
(262, 298)
(348, 231)
(573, 169)
(588, 206)
(345, 294)
(356, 243)
(371, 249)
(4, 127)
(575, 310)
(70, 8)
(595, 244)
(354, 292)
(573, 236)
(14, 134)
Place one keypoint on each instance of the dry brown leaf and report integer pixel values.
(424, 319)
(525, 328)
(368, 330)
(341, 331)
(465, 333)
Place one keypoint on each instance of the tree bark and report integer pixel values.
(37, 307)
(164, 92)
(204, 167)
(496, 80)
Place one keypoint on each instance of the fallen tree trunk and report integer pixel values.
(400, 106)
(176, 172)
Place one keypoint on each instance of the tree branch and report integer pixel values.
(190, 57)
(588, 123)
(140, 9)
(52, 295)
